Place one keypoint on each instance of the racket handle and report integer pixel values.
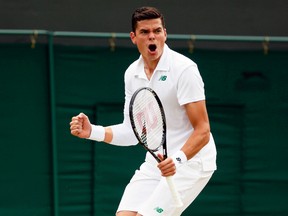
(175, 194)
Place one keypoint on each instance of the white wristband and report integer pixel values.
(97, 133)
(179, 158)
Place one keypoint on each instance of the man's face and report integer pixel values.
(150, 37)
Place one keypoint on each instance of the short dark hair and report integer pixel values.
(146, 13)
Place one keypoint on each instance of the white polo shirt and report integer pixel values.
(177, 81)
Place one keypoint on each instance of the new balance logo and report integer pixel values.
(162, 78)
(178, 159)
(159, 210)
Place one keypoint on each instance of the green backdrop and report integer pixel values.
(247, 99)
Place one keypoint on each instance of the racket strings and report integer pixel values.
(148, 120)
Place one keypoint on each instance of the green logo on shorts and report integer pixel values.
(159, 210)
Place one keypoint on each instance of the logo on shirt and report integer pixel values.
(163, 78)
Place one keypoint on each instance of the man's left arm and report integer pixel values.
(198, 116)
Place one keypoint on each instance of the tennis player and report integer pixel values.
(179, 85)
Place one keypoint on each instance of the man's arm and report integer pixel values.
(198, 117)
(120, 134)
(197, 114)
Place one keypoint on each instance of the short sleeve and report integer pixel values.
(190, 87)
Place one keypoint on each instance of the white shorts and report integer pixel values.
(148, 194)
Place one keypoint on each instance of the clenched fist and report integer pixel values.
(80, 126)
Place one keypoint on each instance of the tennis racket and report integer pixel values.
(149, 125)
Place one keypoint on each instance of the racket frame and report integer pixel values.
(170, 182)
(163, 142)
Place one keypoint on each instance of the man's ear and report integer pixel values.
(133, 37)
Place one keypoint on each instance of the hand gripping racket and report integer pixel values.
(149, 125)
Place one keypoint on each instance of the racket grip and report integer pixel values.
(174, 192)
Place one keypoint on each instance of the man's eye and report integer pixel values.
(158, 31)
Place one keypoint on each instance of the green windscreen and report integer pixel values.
(247, 101)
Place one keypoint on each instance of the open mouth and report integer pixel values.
(152, 47)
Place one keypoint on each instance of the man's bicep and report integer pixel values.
(197, 113)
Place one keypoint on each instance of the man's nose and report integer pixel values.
(151, 36)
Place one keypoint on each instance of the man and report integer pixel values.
(179, 85)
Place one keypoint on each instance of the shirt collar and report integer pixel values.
(163, 64)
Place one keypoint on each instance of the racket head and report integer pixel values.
(147, 119)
